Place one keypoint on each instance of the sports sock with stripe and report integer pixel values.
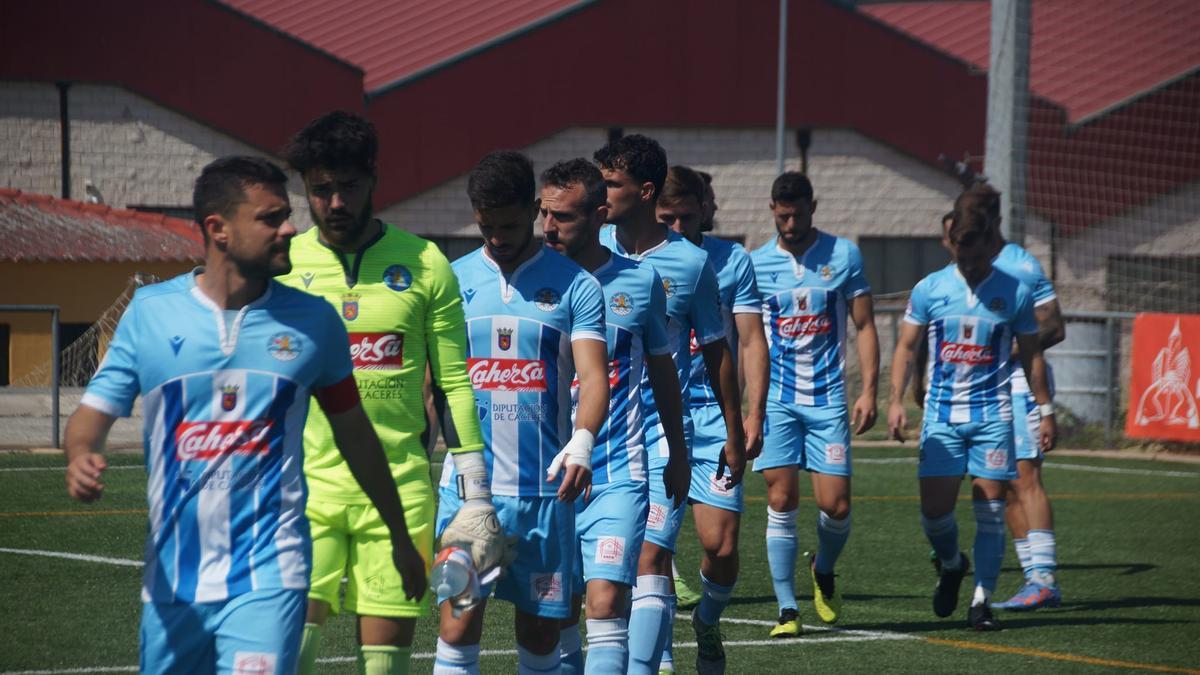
(831, 539)
(716, 599)
(456, 660)
(529, 663)
(667, 662)
(989, 542)
(608, 646)
(942, 533)
(653, 603)
(1023, 556)
(1043, 556)
(306, 664)
(570, 648)
(383, 659)
(781, 555)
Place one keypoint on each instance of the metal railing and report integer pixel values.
(55, 359)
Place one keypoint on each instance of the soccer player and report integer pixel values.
(610, 519)
(400, 303)
(682, 206)
(535, 321)
(225, 359)
(810, 280)
(971, 312)
(634, 169)
(1028, 513)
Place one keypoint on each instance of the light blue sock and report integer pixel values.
(648, 623)
(608, 647)
(667, 662)
(570, 648)
(716, 598)
(529, 663)
(1043, 556)
(942, 533)
(453, 660)
(781, 555)
(1023, 556)
(989, 542)
(831, 539)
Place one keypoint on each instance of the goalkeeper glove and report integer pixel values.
(475, 527)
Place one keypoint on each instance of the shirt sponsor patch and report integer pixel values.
(657, 518)
(546, 587)
(809, 324)
(610, 550)
(996, 458)
(507, 374)
(253, 663)
(377, 351)
(835, 453)
(718, 485)
(971, 355)
(208, 440)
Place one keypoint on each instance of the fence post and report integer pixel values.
(1111, 381)
(55, 376)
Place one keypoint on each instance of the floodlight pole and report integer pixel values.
(1008, 112)
(781, 89)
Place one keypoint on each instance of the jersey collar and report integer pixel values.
(228, 341)
(799, 265)
(506, 284)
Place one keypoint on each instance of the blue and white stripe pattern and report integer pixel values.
(805, 303)
(519, 334)
(970, 334)
(738, 291)
(224, 414)
(1019, 263)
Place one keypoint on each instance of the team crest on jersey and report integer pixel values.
(284, 346)
(350, 306)
(397, 278)
(547, 299)
(968, 330)
(504, 338)
(996, 304)
(669, 286)
(621, 304)
(307, 278)
(229, 397)
(826, 272)
(802, 302)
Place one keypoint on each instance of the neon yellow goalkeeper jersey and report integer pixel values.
(400, 302)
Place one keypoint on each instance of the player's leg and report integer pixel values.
(174, 638)
(458, 637)
(991, 463)
(570, 643)
(827, 458)
(782, 454)
(717, 529)
(259, 632)
(331, 554)
(943, 461)
(653, 614)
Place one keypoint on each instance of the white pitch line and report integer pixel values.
(845, 633)
(1114, 469)
(119, 467)
(125, 562)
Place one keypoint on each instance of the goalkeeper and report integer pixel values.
(400, 304)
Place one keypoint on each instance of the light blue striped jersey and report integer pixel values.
(970, 333)
(693, 303)
(738, 291)
(1019, 263)
(804, 314)
(519, 358)
(636, 310)
(224, 418)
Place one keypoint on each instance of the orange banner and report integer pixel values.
(1164, 385)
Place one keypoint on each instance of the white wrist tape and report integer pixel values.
(577, 452)
(473, 482)
(1046, 409)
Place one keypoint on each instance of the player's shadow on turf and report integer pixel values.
(1128, 568)
(1130, 603)
(751, 599)
(1008, 621)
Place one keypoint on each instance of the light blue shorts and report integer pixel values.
(981, 449)
(538, 582)
(256, 632)
(814, 439)
(663, 520)
(1027, 420)
(610, 527)
(707, 448)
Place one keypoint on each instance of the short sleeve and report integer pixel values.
(705, 310)
(917, 312)
(746, 298)
(587, 309)
(1024, 323)
(335, 351)
(1043, 290)
(115, 386)
(856, 280)
(655, 331)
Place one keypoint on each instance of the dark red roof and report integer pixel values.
(38, 228)
(1087, 57)
(393, 41)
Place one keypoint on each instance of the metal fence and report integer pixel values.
(55, 359)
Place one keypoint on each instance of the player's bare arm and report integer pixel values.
(360, 447)
(756, 373)
(862, 312)
(918, 374)
(902, 360)
(1051, 327)
(86, 432)
(719, 359)
(664, 381)
(1034, 363)
(591, 366)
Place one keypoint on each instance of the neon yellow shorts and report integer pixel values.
(351, 540)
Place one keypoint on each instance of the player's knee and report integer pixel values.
(537, 634)
(605, 604)
(783, 499)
